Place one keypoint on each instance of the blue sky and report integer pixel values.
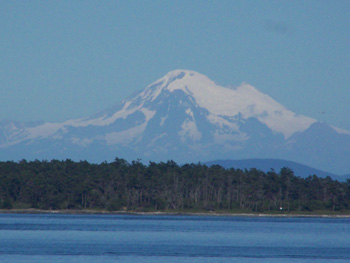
(67, 59)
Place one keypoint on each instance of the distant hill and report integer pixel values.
(276, 164)
(346, 176)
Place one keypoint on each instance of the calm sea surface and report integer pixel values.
(126, 238)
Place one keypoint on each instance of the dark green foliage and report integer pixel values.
(164, 186)
(6, 204)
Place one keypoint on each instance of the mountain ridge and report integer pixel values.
(186, 117)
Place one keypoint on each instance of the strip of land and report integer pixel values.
(162, 213)
(73, 187)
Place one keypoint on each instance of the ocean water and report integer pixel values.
(132, 238)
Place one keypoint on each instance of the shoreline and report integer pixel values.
(160, 213)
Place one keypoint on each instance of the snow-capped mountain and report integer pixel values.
(186, 117)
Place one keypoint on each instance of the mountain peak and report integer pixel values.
(178, 79)
(185, 77)
(180, 73)
(222, 102)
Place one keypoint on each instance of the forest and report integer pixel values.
(164, 186)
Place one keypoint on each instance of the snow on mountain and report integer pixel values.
(183, 116)
(220, 101)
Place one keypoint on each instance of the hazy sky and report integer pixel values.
(67, 59)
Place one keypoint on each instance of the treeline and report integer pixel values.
(120, 185)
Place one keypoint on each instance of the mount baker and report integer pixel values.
(186, 117)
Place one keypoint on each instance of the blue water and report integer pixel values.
(126, 238)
